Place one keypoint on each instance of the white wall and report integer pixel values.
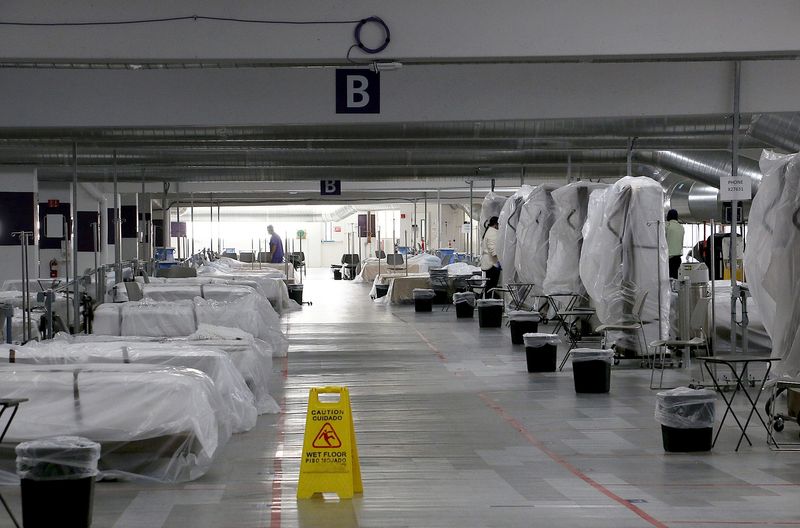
(415, 93)
(420, 29)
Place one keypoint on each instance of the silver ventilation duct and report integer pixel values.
(639, 127)
(704, 167)
(777, 130)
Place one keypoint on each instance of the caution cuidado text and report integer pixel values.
(330, 457)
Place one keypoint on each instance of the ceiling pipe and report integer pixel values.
(624, 127)
(777, 130)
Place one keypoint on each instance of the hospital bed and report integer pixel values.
(238, 412)
(156, 423)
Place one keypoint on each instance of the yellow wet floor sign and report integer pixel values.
(329, 462)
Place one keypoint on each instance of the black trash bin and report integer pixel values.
(521, 323)
(337, 273)
(381, 290)
(296, 293)
(591, 370)
(465, 304)
(490, 313)
(687, 419)
(540, 352)
(423, 300)
(57, 481)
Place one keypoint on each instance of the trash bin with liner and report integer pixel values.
(57, 477)
(591, 369)
(423, 300)
(687, 419)
(465, 304)
(540, 351)
(296, 293)
(490, 313)
(381, 290)
(523, 322)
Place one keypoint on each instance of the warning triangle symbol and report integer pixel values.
(326, 438)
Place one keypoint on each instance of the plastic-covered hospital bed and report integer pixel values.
(772, 257)
(239, 409)
(624, 247)
(507, 222)
(252, 357)
(536, 217)
(156, 423)
(252, 314)
(566, 238)
(229, 265)
(491, 206)
(160, 288)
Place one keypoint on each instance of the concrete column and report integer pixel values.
(129, 208)
(91, 208)
(145, 216)
(18, 210)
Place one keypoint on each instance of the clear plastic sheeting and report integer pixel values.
(524, 315)
(491, 206)
(252, 357)
(222, 288)
(624, 247)
(462, 269)
(536, 340)
(508, 221)
(579, 355)
(157, 319)
(533, 237)
(17, 327)
(566, 238)
(772, 258)
(251, 313)
(420, 293)
(685, 408)
(239, 403)
(153, 423)
(425, 262)
(466, 297)
(57, 458)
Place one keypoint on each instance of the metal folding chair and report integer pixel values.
(636, 326)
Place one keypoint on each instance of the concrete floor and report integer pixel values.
(453, 432)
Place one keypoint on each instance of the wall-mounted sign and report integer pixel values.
(330, 187)
(358, 91)
(734, 188)
(52, 204)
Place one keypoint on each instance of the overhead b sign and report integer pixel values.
(330, 187)
(358, 91)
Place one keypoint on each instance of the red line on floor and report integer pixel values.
(436, 351)
(566, 465)
(741, 523)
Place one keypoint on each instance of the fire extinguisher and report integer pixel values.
(53, 268)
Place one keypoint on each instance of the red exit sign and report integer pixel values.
(402, 215)
(53, 203)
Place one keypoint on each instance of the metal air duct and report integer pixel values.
(778, 130)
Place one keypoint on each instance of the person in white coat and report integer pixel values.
(489, 262)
